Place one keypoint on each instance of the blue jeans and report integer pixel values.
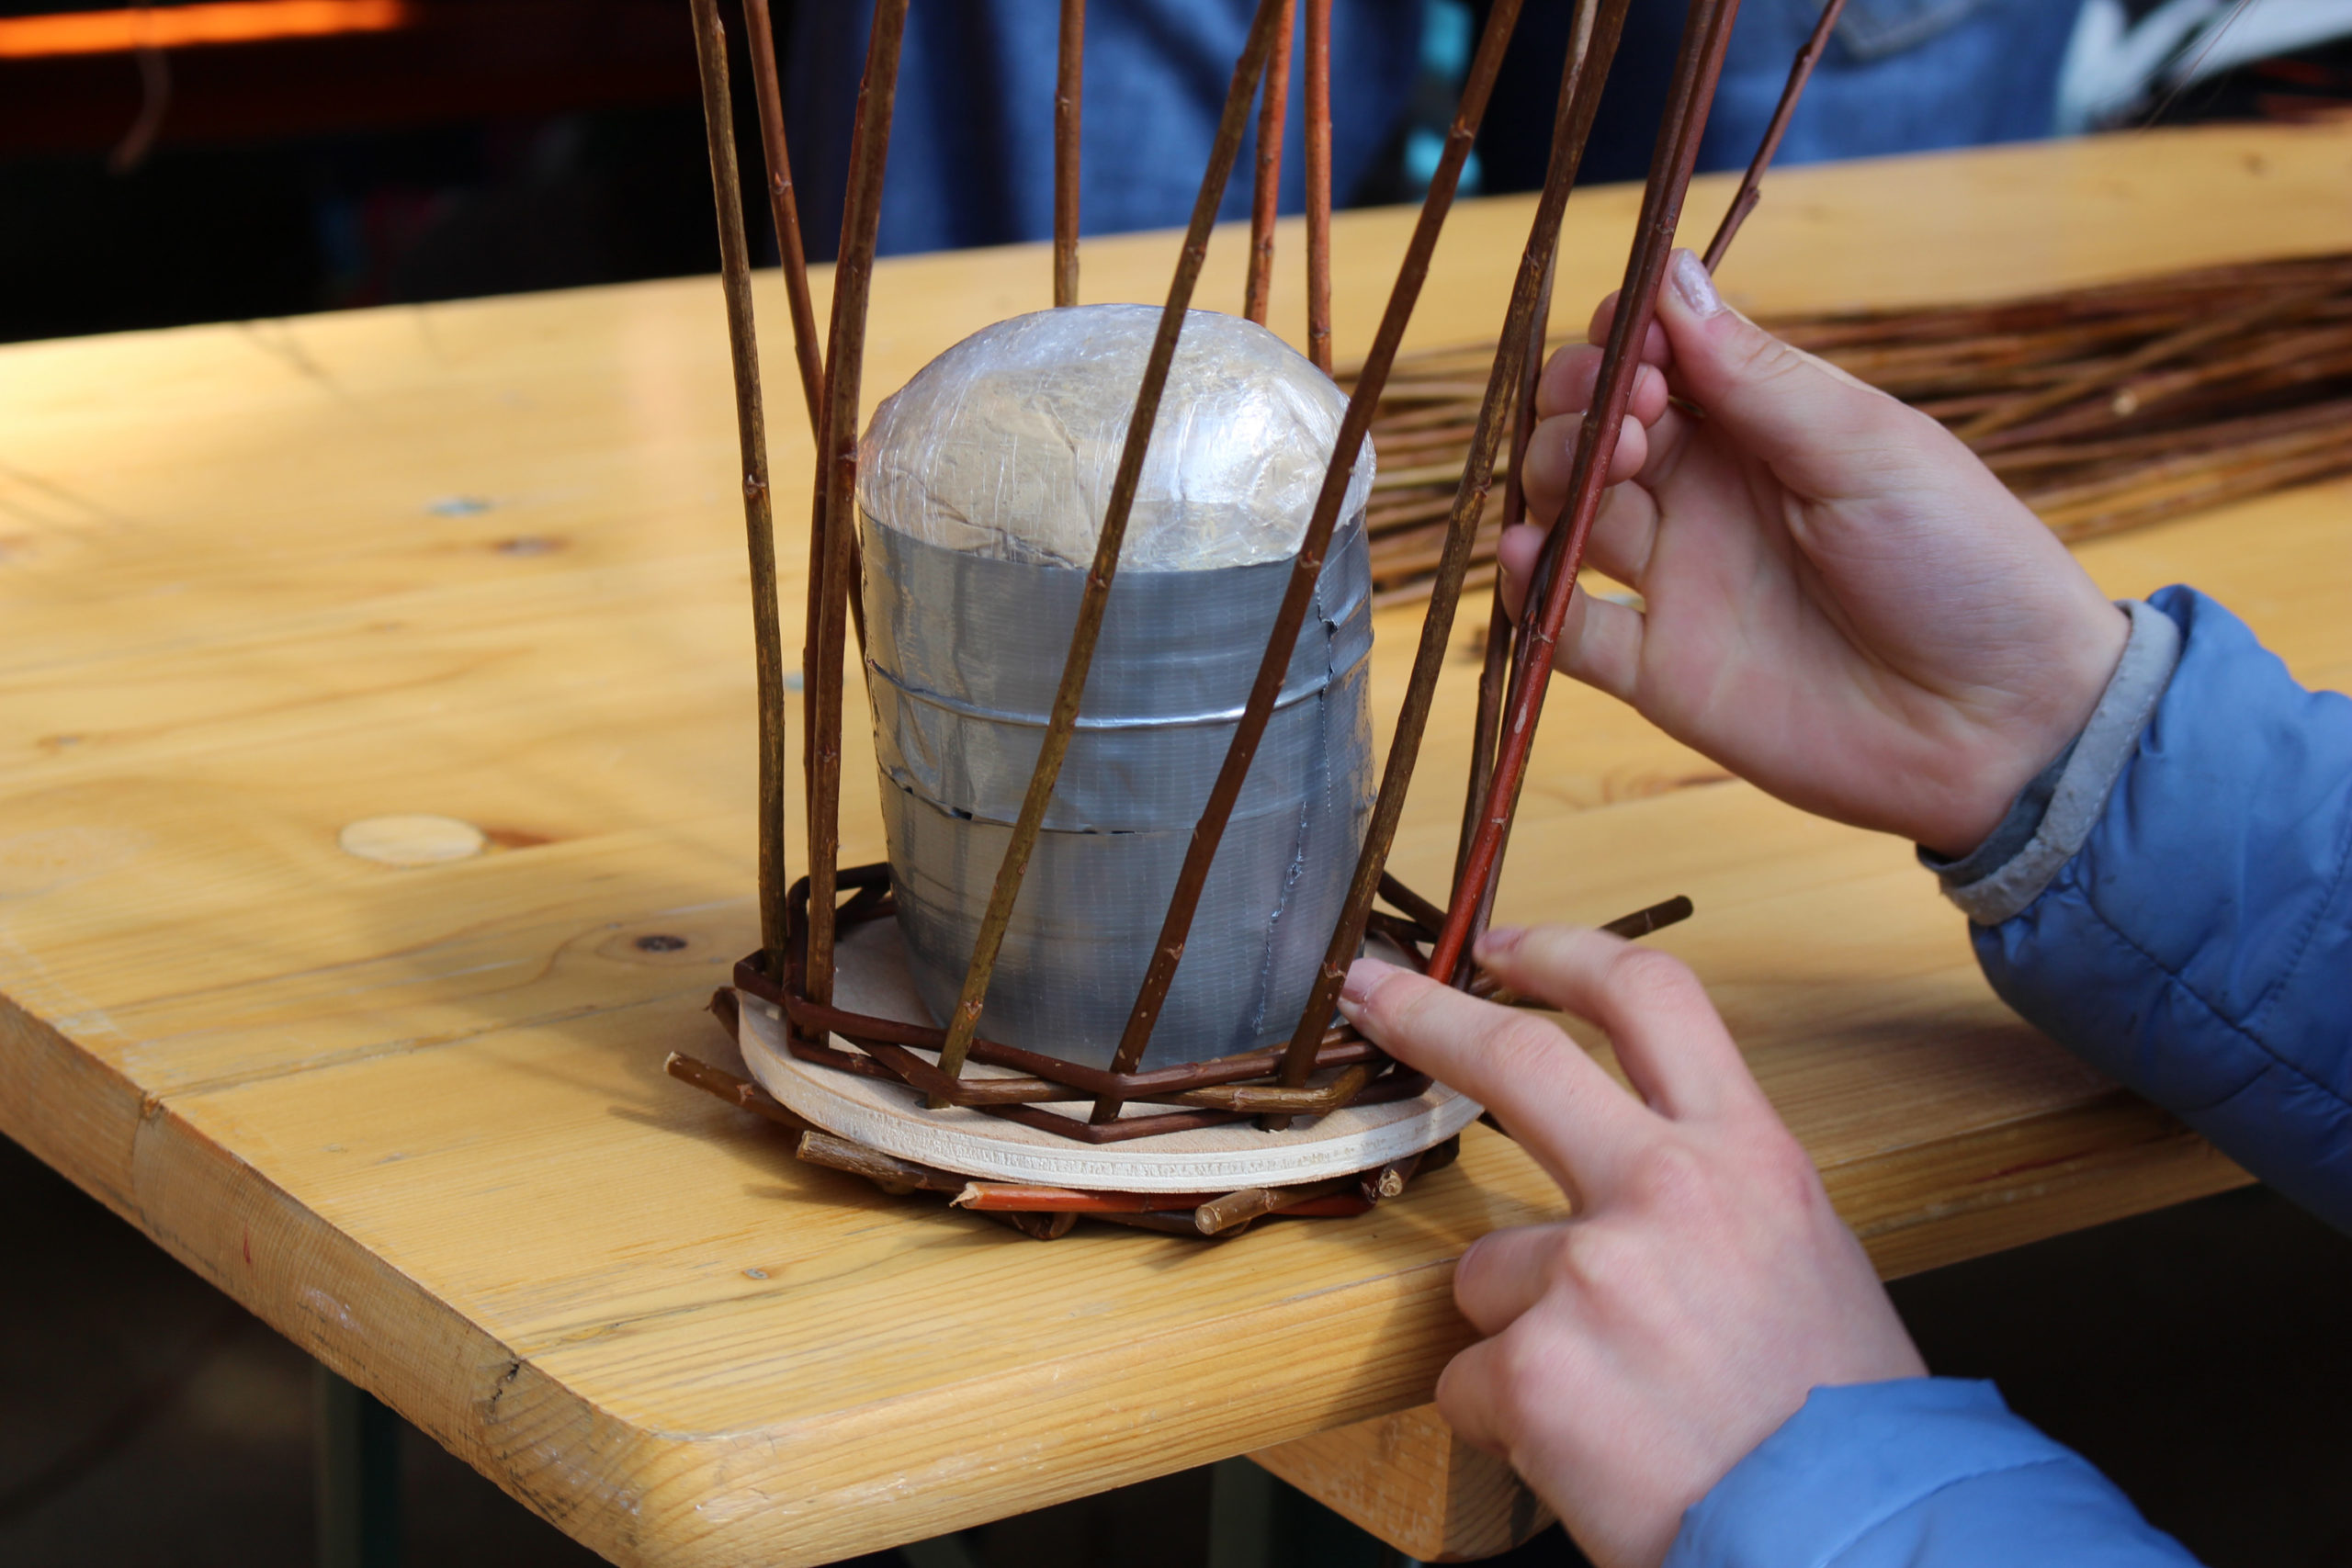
(971, 156)
(972, 153)
(1900, 76)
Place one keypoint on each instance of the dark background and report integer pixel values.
(505, 145)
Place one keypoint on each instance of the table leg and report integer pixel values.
(1408, 1480)
(940, 1551)
(357, 1475)
(1241, 1515)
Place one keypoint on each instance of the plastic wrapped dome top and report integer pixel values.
(1007, 444)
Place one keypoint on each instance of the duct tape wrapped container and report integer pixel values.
(982, 485)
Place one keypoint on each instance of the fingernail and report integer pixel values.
(1363, 976)
(1498, 943)
(1691, 284)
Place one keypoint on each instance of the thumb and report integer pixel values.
(1824, 434)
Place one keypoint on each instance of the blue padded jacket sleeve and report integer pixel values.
(1922, 1472)
(2198, 945)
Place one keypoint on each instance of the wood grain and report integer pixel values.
(262, 581)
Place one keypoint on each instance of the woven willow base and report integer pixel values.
(891, 1117)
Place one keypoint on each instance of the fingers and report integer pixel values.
(1563, 1108)
(1503, 1274)
(1669, 1037)
(1569, 379)
(1552, 457)
(1657, 345)
(1473, 1393)
(1566, 394)
(1600, 642)
(1624, 531)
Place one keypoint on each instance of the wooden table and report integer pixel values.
(263, 581)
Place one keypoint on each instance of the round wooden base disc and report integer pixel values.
(890, 1117)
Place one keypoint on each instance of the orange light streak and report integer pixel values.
(184, 27)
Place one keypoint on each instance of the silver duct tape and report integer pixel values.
(964, 656)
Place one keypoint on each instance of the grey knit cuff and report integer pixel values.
(2055, 814)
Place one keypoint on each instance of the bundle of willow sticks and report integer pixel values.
(2102, 408)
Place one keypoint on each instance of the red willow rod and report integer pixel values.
(1593, 48)
(1751, 184)
(1318, 184)
(834, 535)
(964, 1021)
(1307, 567)
(785, 208)
(1706, 32)
(1274, 107)
(752, 439)
(1495, 661)
(1070, 92)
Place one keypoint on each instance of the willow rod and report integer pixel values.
(784, 208)
(1751, 184)
(751, 447)
(1318, 184)
(964, 1020)
(2172, 346)
(1307, 566)
(1706, 32)
(834, 536)
(1265, 201)
(1592, 50)
(1069, 94)
(1493, 664)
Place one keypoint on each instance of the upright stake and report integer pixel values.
(751, 442)
(835, 533)
(1318, 184)
(1592, 48)
(1306, 569)
(1706, 30)
(965, 1019)
(784, 208)
(1495, 665)
(1751, 184)
(1070, 93)
(1265, 204)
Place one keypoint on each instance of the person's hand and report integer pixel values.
(1703, 1286)
(1840, 602)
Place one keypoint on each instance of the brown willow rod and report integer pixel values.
(1274, 107)
(965, 1019)
(784, 208)
(752, 443)
(1584, 74)
(1751, 184)
(835, 533)
(1493, 664)
(1069, 95)
(1306, 568)
(1706, 29)
(2172, 346)
(1318, 184)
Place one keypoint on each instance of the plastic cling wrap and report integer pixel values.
(1007, 444)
